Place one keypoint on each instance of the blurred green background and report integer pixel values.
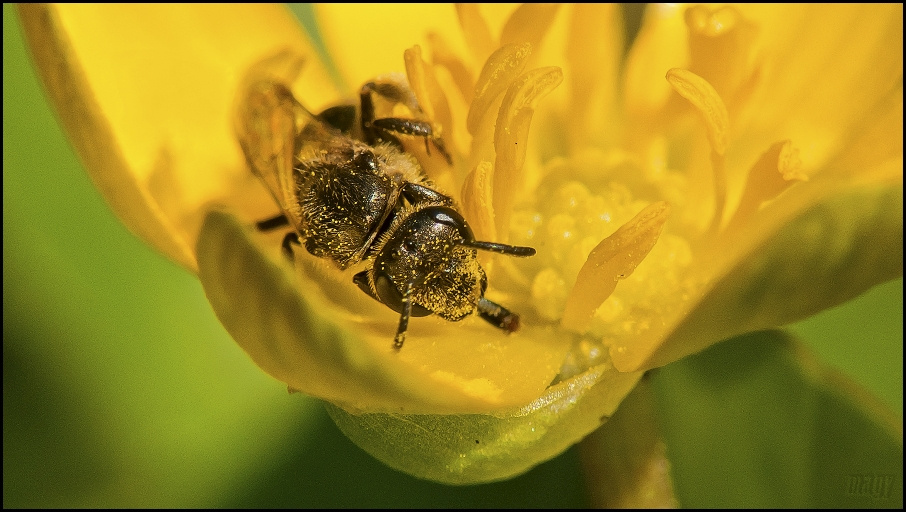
(120, 387)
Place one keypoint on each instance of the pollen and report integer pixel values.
(583, 229)
(607, 264)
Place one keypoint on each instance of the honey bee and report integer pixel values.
(352, 195)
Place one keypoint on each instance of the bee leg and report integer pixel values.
(289, 242)
(291, 239)
(404, 319)
(387, 128)
(415, 194)
(272, 223)
(439, 144)
(497, 315)
(394, 91)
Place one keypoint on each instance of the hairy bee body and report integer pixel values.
(343, 197)
(353, 199)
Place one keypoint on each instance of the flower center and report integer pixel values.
(581, 202)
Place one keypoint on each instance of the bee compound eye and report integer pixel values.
(390, 296)
(449, 218)
(445, 216)
(388, 293)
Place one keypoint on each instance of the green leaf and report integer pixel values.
(756, 422)
(477, 448)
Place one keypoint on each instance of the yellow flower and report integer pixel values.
(737, 169)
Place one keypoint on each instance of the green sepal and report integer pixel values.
(477, 448)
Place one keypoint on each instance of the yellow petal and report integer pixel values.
(146, 93)
(873, 140)
(815, 247)
(829, 63)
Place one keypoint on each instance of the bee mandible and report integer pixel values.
(352, 194)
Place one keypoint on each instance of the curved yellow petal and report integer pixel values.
(872, 141)
(851, 255)
(825, 65)
(146, 93)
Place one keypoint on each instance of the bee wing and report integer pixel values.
(269, 120)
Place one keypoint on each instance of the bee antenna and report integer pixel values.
(512, 250)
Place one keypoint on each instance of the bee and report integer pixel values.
(353, 195)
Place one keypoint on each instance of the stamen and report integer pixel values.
(479, 39)
(721, 46)
(705, 99)
(511, 135)
(501, 68)
(777, 169)
(430, 95)
(707, 22)
(418, 81)
(529, 23)
(594, 57)
(443, 56)
(615, 258)
(477, 201)
(720, 189)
